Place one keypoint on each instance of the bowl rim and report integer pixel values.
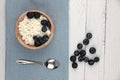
(19, 37)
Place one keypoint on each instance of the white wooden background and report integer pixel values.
(102, 18)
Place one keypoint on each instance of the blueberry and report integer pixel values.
(89, 35)
(48, 24)
(37, 43)
(86, 59)
(44, 22)
(76, 53)
(30, 15)
(82, 52)
(86, 41)
(74, 65)
(79, 46)
(92, 50)
(96, 59)
(91, 62)
(35, 37)
(37, 15)
(45, 38)
(73, 58)
(80, 58)
(41, 40)
(44, 29)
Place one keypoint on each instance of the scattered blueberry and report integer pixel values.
(76, 53)
(89, 35)
(86, 41)
(86, 59)
(73, 58)
(44, 29)
(74, 65)
(91, 62)
(92, 50)
(30, 15)
(82, 52)
(37, 15)
(80, 58)
(79, 46)
(96, 59)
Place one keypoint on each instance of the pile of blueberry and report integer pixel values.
(35, 15)
(38, 40)
(80, 53)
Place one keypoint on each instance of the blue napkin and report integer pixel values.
(58, 48)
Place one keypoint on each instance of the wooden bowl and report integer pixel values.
(19, 37)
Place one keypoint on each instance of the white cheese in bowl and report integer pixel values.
(31, 27)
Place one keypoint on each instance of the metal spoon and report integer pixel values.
(50, 63)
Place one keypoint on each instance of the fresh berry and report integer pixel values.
(89, 35)
(82, 52)
(36, 15)
(76, 53)
(44, 22)
(41, 40)
(74, 65)
(92, 50)
(91, 62)
(80, 58)
(37, 43)
(35, 37)
(73, 58)
(30, 15)
(96, 59)
(44, 29)
(79, 46)
(86, 59)
(48, 24)
(86, 41)
(45, 38)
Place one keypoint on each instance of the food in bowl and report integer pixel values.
(34, 29)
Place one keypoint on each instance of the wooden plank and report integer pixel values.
(96, 25)
(112, 55)
(76, 34)
(2, 41)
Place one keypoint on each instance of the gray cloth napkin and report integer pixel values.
(58, 48)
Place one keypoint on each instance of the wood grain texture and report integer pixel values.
(96, 25)
(76, 34)
(2, 41)
(112, 54)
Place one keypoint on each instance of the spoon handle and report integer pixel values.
(24, 62)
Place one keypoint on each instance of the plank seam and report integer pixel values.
(85, 32)
(105, 25)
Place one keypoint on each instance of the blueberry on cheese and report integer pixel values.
(34, 29)
(37, 15)
(30, 15)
